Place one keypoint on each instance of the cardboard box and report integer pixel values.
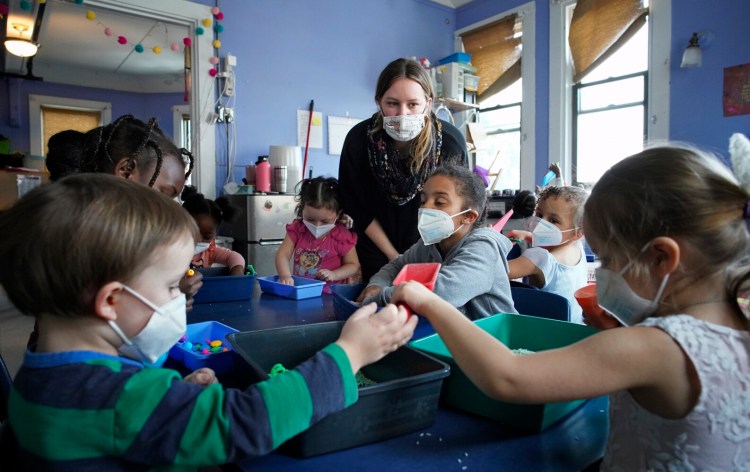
(16, 182)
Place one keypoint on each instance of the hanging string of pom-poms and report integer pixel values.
(218, 29)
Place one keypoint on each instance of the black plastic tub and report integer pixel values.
(404, 399)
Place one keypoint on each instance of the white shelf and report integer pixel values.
(456, 105)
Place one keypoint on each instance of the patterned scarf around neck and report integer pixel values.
(392, 172)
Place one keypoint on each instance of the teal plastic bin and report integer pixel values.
(516, 332)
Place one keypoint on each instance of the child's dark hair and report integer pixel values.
(196, 204)
(575, 195)
(62, 242)
(470, 187)
(524, 204)
(99, 150)
(318, 192)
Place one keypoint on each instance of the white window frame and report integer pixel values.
(561, 80)
(527, 14)
(37, 102)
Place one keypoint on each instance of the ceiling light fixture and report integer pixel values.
(19, 46)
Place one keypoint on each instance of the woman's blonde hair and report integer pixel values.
(64, 241)
(413, 70)
(675, 191)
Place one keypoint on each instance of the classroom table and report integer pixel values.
(456, 441)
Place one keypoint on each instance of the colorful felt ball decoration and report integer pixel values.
(218, 28)
(215, 11)
(212, 72)
(138, 48)
(216, 43)
(220, 16)
(174, 46)
(214, 60)
(25, 5)
(206, 22)
(156, 49)
(199, 30)
(187, 41)
(107, 31)
(90, 15)
(122, 40)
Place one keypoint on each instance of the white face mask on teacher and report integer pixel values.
(404, 127)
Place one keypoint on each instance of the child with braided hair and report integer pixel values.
(208, 215)
(128, 148)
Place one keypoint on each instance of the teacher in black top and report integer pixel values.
(386, 160)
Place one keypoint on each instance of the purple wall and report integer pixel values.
(696, 111)
(14, 94)
(290, 52)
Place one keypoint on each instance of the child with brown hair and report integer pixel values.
(103, 284)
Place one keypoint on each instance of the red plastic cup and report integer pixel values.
(425, 273)
(594, 315)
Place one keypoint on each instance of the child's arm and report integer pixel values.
(380, 283)
(609, 361)
(349, 267)
(283, 254)
(231, 259)
(523, 267)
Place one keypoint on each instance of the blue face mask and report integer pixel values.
(617, 298)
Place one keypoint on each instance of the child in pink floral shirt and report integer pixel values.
(322, 246)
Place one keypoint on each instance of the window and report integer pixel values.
(48, 115)
(609, 111)
(621, 99)
(506, 95)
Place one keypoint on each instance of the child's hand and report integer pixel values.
(346, 220)
(555, 167)
(520, 235)
(369, 292)
(368, 336)
(414, 295)
(203, 376)
(190, 284)
(237, 270)
(602, 320)
(286, 280)
(325, 274)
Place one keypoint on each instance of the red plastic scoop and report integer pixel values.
(425, 273)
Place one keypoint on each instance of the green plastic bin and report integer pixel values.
(516, 332)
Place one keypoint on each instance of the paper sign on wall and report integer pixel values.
(338, 128)
(316, 129)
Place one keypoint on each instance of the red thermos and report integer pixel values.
(263, 174)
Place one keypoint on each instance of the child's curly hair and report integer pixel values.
(318, 192)
(196, 204)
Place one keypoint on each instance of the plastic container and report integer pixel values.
(220, 287)
(343, 299)
(221, 362)
(250, 175)
(456, 57)
(263, 174)
(471, 82)
(425, 273)
(403, 400)
(302, 288)
(516, 332)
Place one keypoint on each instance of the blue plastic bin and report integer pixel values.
(220, 362)
(343, 299)
(225, 288)
(456, 57)
(302, 288)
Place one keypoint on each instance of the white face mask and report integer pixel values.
(547, 234)
(404, 127)
(165, 327)
(200, 247)
(617, 298)
(436, 225)
(318, 231)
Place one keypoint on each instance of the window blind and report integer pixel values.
(598, 28)
(496, 53)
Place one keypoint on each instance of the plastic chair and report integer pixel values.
(542, 304)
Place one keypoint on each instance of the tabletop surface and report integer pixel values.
(456, 440)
